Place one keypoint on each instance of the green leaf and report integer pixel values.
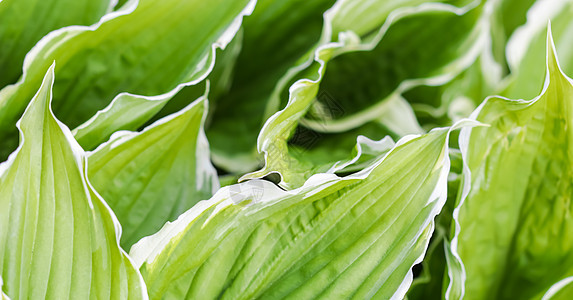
(358, 53)
(365, 78)
(274, 40)
(147, 48)
(25, 22)
(127, 111)
(444, 104)
(513, 231)
(525, 51)
(356, 236)
(135, 109)
(507, 16)
(58, 238)
(151, 177)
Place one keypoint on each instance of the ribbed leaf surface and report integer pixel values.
(58, 238)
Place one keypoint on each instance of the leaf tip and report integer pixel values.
(40, 104)
(551, 58)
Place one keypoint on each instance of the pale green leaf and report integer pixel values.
(25, 22)
(333, 238)
(130, 111)
(507, 16)
(150, 48)
(525, 51)
(513, 231)
(151, 177)
(356, 54)
(443, 104)
(126, 111)
(368, 76)
(58, 238)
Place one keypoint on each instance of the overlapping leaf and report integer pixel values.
(513, 231)
(429, 283)
(58, 238)
(398, 58)
(351, 237)
(372, 49)
(25, 22)
(146, 48)
(275, 37)
(151, 177)
(525, 51)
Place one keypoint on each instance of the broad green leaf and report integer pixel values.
(149, 48)
(275, 37)
(58, 238)
(361, 81)
(218, 82)
(513, 231)
(355, 53)
(312, 152)
(127, 111)
(507, 16)
(334, 238)
(25, 22)
(443, 105)
(525, 51)
(151, 177)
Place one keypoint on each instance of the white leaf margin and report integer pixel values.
(157, 102)
(204, 167)
(149, 248)
(80, 160)
(348, 41)
(464, 140)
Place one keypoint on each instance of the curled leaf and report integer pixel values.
(513, 228)
(151, 177)
(356, 236)
(58, 238)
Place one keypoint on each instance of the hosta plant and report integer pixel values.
(265, 149)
